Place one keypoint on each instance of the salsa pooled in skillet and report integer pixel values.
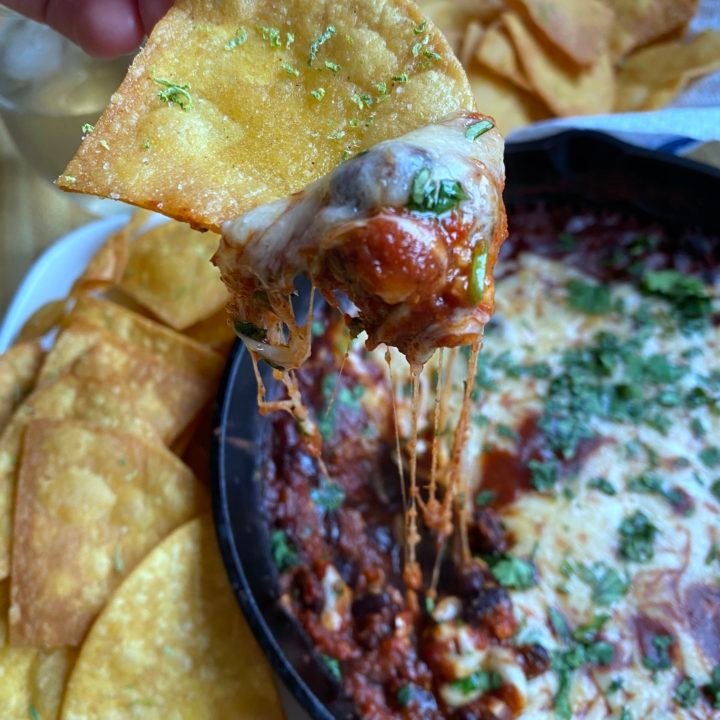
(587, 582)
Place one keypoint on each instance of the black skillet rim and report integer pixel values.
(565, 163)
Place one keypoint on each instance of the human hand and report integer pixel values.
(104, 28)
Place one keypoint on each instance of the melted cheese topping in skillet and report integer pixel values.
(655, 452)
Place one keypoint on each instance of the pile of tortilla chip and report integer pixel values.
(529, 60)
(113, 598)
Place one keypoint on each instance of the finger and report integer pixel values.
(151, 11)
(105, 30)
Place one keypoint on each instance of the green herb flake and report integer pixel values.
(474, 131)
(270, 35)
(434, 196)
(402, 78)
(146, 144)
(713, 554)
(505, 431)
(513, 572)
(33, 713)
(290, 70)
(431, 54)
(637, 537)
(603, 485)
(712, 689)
(715, 489)
(661, 659)
(175, 93)
(332, 665)
(589, 298)
(251, 331)
(329, 496)
(332, 67)
(605, 583)
(686, 693)
(421, 28)
(284, 553)
(318, 93)
(481, 681)
(289, 39)
(687, 294)
(625, 714)
(616, 685)
(87, 128)
(544, 474)
(710, 456)
(319, 42)
(381, 88)
(362, 100)
(405, 695)
(69, 178)
(485, 498)
(240, 38)
(336, 135)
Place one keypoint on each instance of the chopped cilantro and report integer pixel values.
(289, 39)
(318, 93)
(271, 35)
(485, 498)
(332, 67)
(418, 46)
(603, 485)
(251, 331)
(332, 665)
(104, 144)
(382, 88)
(652, 485)
(616, 684)
(290, 70)
(637, 537)
(329, 495)
(710, 456)
(712, 689)
(589, 298)
(687, 294)
(715, 489)
(512, 572)
(87, 128)
(713, 554)
(362, 100)
(478, 271)
(506, 431)
(405, 695)
(240, 38)
(284, 553)
(586, 633)
(661, 658)
(481, 681)
(606, 585)
(421, 28)
(434, 196)
(402, 78)
(146, 144)
(686, 693)
(474, 131)
(544, 474)
(428, 53)
(319, 42)
(175, 93)
(69, 178)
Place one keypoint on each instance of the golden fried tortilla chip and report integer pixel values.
(173, 643)
(215, 332)
(497, 52)
(170, 273)
(174, 348)
(512, 107)
(19, 368)
(90, 505)
(233, 104)
(652, 77)
(639, 22)
(565, 90)
(579, 28)
(31, 682)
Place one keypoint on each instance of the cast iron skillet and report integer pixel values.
(573, 165)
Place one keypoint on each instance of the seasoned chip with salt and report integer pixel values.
(169, 272)
(186, 650)
(90, 505)
(32, 681)
(234, 104)
(19, 367)
(497, 52)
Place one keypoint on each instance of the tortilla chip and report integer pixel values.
(215, 332)
(217, 115)
(90, 505)
(32, 681)
(46, 318)
(186, 650)
(19, 368)
(639, 22)
(652, 77)
(497, 52)
(565, 90)
(170, 273)
(512, 107)
(128, 326)
(578, 28)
